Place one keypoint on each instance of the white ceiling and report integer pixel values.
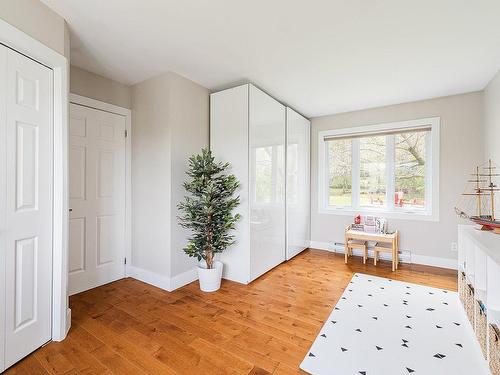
(318, 56)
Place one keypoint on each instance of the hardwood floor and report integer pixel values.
(128, 327)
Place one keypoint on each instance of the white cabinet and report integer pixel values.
(26, 160)
(298, 202)
(479, 262)
(248, 130)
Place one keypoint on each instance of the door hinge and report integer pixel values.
(126, 133)
(125, 261)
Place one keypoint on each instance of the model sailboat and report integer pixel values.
(481, 193)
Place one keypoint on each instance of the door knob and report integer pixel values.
(70, 210)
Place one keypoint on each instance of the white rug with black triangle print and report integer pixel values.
(383, 327)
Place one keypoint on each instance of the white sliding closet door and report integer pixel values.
(26, 175)
(97, 198)
(298, 183)
(229, 143)
(267, 182)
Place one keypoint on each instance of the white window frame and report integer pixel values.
(429, 213)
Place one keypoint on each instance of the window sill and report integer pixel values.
(402, 215)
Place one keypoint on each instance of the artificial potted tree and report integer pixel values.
(207, 211)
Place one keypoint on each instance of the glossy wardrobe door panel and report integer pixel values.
(267, 182)
(229, 143)
(298, 183)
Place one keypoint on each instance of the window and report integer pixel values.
(391, 169)
(340, 173)
(409, 169)
(372, 178)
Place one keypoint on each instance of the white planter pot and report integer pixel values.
(210, 278)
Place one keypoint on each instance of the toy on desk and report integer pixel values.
(370, 224)
(381, 225)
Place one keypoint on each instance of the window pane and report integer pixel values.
(372, 177)
(339, 172)
(410, 170)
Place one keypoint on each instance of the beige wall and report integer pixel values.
(491, 131)
(189, 124)
(151, 176)
(460, 149)
(169, 123)
(491, 123)
(85, 83)
(37, 20)
(67, 42)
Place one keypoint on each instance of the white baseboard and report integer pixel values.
(149, 277)
(435, 261)
(68, 321)
(328, 246)
(163, 282)
(171, 283)
(184, 278)
(405, 256)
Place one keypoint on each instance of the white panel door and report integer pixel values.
(298, 183)
(267, 182)
(26, 141)
(97, 198)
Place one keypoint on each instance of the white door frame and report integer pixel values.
(25, 44)
(127, 113)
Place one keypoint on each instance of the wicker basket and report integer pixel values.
(469, 303)
(481, 326)
(462, 286)
(494, 349)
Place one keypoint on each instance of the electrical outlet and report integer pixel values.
(454, 247)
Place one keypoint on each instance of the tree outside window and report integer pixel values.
(389, 171)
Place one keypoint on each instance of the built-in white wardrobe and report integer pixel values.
(267, 146)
